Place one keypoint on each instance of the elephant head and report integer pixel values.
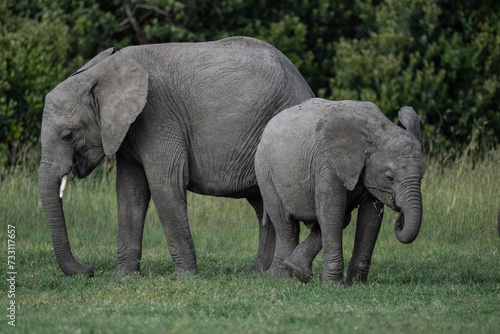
(394, 171)
(85, 118)
(388, 159)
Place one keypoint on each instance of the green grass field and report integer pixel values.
(447, 281)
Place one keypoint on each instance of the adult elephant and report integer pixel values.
(178, 116)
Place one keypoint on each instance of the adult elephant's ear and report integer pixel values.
(119, 87)
(409, 119)
(101, 56)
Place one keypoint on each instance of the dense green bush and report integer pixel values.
(36, 53)
(440, 56)
(441, 59)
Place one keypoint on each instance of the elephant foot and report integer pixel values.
(260, 265)
(124, 270)
(334, 283)
(302, 273)
(277, 271)
(330, 281)
(258, 268)
(355, 280)
(252, 270)
(350, 282)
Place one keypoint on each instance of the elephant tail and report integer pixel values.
(265, 217)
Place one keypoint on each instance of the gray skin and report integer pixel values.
(318, 161)
(178, 116)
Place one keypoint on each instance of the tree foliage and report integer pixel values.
(440, 56)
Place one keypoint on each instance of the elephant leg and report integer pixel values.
(370, 216)
(299, 263)
(331, 201)
(172, 210)
(267, 239)
(287, 229)
(133, 198)
(168, 183)
(287, 238)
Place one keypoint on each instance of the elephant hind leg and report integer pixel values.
(287, 239)
(299, 263)
(267, 238)
(286, 227)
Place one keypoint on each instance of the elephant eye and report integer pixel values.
(66, 137)
(389, 176)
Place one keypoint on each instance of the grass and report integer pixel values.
(447, 281)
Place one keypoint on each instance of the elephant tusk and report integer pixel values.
(63, 185)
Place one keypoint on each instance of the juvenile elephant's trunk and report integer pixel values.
(408, 221)
(49, 185)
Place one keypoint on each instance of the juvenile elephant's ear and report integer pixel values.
(119, 88)
(409, 119)
(345, 146)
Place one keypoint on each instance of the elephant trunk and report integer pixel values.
(410, 218)
(49, 185)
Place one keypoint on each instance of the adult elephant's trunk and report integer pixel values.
(408, 221)
(49, 183)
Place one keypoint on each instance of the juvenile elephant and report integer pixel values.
(178, 116)
(318, 161)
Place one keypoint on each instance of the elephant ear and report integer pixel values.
(119, 86)
(345, 146)
(409, 119)
(101, 56)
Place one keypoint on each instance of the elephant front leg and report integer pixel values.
(370, 215)
(331, 207)
(133, 198)
(333, 260)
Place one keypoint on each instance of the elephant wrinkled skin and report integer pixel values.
(178, 116)
(318, 161)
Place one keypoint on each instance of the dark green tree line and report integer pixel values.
(440, 56)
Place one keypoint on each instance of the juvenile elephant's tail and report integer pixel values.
(265, 217)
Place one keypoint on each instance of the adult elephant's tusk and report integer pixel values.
(63, 185)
